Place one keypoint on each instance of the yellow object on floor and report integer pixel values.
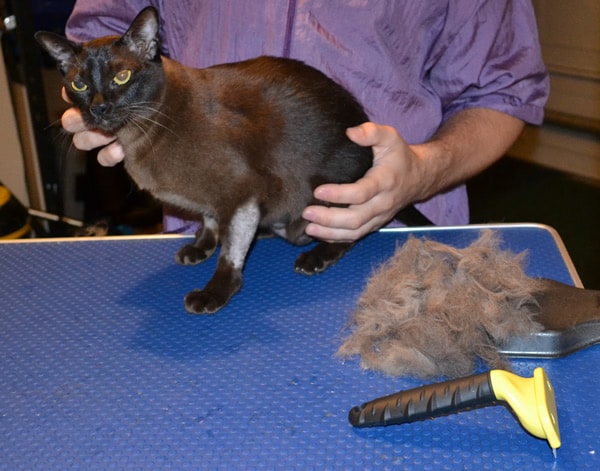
(14, 219)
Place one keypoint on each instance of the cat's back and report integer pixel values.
(300, 113)
(274, 70)
(289, 84)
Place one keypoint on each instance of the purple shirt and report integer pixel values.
(412, 64)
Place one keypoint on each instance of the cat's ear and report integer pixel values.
(142, 36)
(60, 49)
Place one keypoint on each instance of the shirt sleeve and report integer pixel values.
(489, 56)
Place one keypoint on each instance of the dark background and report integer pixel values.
(516, 191)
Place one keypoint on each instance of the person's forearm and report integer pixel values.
(465, 145)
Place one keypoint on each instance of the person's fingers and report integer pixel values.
(64, 95)
(335, 224)
(88, 140)
(358, 192)
(334, 217)
(371, 134)
(83, 138)
(111, 155)
(72, 121)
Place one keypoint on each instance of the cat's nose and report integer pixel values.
(99, 110)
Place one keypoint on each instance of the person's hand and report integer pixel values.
(375, 198)
(84, 139)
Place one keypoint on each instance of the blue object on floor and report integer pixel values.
(101, 368)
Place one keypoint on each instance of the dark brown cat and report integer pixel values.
(241, 146)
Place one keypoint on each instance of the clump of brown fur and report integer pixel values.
(432, 309)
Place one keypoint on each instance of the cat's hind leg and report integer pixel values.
(320, 257)
(204, 245)
(227, 279)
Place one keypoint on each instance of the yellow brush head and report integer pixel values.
(532, 400)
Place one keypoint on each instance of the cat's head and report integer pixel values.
(113, 80)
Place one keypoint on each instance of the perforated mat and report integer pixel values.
(101, 368)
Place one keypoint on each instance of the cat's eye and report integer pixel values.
(122, 77)
(78, 86)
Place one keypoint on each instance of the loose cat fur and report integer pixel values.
(241, 146)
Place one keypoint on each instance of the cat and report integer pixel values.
(240, 145)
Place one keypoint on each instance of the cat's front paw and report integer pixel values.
(206, 301)
(191, 255)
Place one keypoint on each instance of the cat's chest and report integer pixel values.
(139, 161)
(162, 186)
(156, 170)
(143, 176)
(145, 163)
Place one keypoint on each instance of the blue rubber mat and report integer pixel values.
(101, 368)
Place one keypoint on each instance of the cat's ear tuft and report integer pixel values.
(142, 37)
(60, 49)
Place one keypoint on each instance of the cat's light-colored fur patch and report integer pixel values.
(242, 231)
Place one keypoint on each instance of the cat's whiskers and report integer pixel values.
(64, 140)
(134, 119)
(138, 114)
(145, 106)
(54, 124)
(153, 106)
(157, 123)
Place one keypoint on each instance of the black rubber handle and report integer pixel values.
(425, 402)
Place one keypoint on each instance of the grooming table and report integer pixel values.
(101, 368)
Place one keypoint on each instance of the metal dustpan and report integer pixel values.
(571, 320)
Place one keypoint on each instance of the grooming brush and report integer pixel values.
(531, 399)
